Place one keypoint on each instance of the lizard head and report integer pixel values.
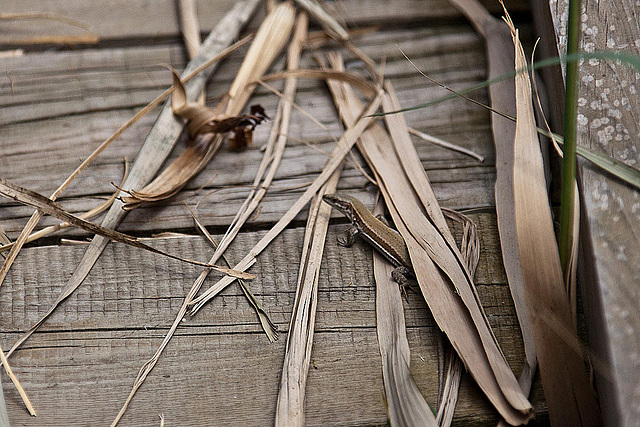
(342, 202)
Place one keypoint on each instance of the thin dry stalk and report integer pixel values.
(46, 206)
(156, 148)
(291, 397)
(345, 143)
(569, 397)
(502, 97)
(457, 310)
(86, 216)
(444, 144)
(270, 329)
(17, 385)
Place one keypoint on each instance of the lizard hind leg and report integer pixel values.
(401, 276)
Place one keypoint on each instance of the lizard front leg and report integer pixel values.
(349, 237)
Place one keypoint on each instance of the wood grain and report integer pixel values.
(114, 322)
(57, 105)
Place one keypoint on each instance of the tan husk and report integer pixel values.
(569, 397)
(456, 309)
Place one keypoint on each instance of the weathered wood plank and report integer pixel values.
(608, 123)
(60, 143)
(125, 21)
(220, 368)
(47, 85)
(63, 103)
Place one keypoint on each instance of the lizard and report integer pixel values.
(383, 238)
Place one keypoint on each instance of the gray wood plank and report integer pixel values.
(219, 368)
(608, 123)
(126, 21)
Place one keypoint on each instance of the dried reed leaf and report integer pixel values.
(156, 148)
(267, 325)
(267, 45)
(291, 397)
(502, 97)
(457, 310)
(570, 272)
(470, 249)
(406, 405)
(53, 228)
(347, 140)
(45, 205)
(569, 397)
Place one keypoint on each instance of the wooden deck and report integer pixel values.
(58, 103)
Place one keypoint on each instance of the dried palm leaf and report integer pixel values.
(456, 309)
(502, 96)
(156, 148)
(569, 397)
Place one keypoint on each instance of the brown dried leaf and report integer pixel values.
(207, 125)
(437, 261)
(502, 96)
(569, 397)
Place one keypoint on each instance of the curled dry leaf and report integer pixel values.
(205, 126)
